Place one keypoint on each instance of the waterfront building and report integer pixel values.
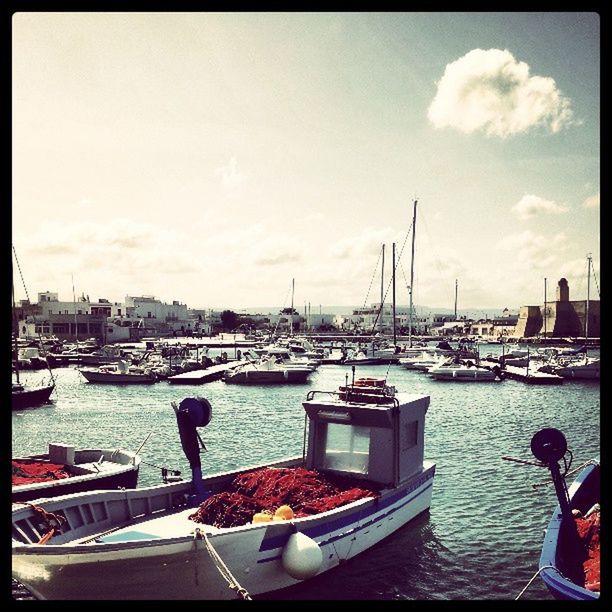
(560, 317)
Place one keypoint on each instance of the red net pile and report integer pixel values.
(27, 472)
(588, 530)
(306, 491)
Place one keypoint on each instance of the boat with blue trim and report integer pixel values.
(361, 476)
(570, 558)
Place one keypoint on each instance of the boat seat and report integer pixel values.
(174, 525)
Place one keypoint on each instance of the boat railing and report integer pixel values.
(340, 396)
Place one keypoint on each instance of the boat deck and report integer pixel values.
(174, 525)
(197, 377)
(532, 377)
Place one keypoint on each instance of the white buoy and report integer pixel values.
(302, 557)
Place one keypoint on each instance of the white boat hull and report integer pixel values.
(118, 378)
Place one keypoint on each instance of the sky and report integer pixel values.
(220, 159)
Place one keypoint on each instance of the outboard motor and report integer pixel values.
(191, 413)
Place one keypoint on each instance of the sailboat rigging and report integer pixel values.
(24, 396)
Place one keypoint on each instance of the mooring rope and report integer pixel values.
(536, 575)
(223, 569)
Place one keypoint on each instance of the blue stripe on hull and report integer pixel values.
(327, 528)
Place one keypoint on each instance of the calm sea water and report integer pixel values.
(481, 538)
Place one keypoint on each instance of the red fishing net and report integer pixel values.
(588, 530)
(306, 491)
(226, 510)
(27, 472)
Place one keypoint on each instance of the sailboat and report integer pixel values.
(27, 396)
(589, 367)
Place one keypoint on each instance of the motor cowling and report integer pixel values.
(192, 412)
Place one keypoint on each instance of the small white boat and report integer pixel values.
(65, 470)
(145, 543)
(119, 374)
(583, 369)
(266, 372)
(463, 372)
(410, 362)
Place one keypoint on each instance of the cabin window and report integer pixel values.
(411, 435)
(346, 448)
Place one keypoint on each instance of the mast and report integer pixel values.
(15, 335)
(586, 321)
(411, 274)
(456, 285)
(76, 323)
(292, 293)
(394, 335)
(545, 311)
(382, 290)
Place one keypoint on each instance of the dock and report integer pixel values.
(532, 377)
(199, 377)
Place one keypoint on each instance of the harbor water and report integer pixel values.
(481, 538)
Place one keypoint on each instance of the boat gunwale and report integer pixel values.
(427, 473)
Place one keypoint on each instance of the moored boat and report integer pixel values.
(362, 477)
(65, 469)
(464, 372)
(570, 559)
(267, 371)
(119, 374)
(24, 396)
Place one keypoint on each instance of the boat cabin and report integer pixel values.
(379, 443)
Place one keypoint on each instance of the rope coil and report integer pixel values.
(52, 521)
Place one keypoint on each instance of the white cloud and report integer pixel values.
(231, 175)
(592, 202)
(367, 245)
(531, 205)
(490, 90)
(533, 250)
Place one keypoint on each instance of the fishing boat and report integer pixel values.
(236, 534)
(570, 557)
(64, 469)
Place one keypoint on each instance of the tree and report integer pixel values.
(229, 320)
